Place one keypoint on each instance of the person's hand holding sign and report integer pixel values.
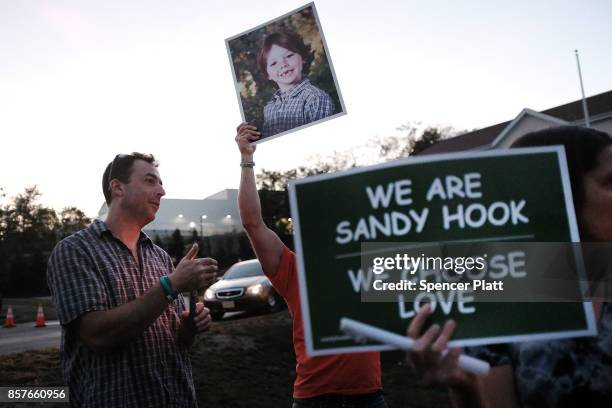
(245, 135)
(427, 357)
(435, 364)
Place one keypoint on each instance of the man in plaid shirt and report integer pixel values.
(125, 335)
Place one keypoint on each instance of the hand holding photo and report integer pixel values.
(283, 76)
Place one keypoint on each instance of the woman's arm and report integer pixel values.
(495, 390)
(499, 387)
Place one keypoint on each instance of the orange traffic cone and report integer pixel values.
(40, 317)
(10, 319)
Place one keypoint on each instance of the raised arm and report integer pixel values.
(267, 245)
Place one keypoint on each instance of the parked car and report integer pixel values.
(244, 287)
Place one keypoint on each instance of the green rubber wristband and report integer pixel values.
(166, 285)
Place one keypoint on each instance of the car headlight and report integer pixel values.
(255, 289)
(209, 294)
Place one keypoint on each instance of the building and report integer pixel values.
(216, 214)
(502, 135)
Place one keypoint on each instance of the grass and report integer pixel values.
(246, 362)
(24, 309)
(32, 369)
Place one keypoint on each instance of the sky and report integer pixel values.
(83, 80)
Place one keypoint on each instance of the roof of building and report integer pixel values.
(598, 105)
(572, 112)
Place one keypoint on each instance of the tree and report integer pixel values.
(4, 268)
(272, 184)
(36, 268)
(412, 140)
(194, 236)
(72, 220)
(28, 233)
(26, 216)
(246, 252)
(159, 242)
(217, 249)
(430, 137)
(274, 180)
(205, 247)
(176, 246)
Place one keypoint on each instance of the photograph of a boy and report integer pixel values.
(284, 78)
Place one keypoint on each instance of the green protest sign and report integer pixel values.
(465, 232)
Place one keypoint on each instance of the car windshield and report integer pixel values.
(243, 270)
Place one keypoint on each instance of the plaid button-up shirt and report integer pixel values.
(92, 270)
(298, 106)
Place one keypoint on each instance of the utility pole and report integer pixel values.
(585, 109)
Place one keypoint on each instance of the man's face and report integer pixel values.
(284, 66)
(143, 192)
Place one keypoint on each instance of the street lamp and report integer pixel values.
(202, 218)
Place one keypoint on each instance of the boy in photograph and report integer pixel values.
(285, 60)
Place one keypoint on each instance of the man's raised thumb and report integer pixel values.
(193, 251)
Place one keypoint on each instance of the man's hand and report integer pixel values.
(201, 320)
(245, 134)
(193, 273)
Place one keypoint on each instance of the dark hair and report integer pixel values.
(289, 40)
(121, 169)
(582, 149)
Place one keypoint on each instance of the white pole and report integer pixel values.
(587, 120)
(364, 331)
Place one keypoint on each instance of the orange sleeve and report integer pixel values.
(285, 274)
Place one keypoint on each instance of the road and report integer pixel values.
(26, 337)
